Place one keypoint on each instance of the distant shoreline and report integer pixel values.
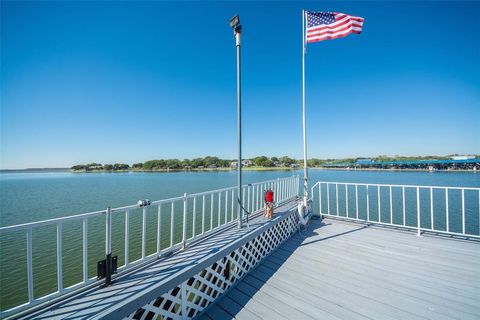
(45, 170)
(191, 170)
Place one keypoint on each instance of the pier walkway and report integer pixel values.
(143, 292)
(344, 270)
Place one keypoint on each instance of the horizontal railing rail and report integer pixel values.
(159, 227)
(438, 209)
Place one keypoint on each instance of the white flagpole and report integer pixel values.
(305, 168)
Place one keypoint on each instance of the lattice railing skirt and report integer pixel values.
(189, 298)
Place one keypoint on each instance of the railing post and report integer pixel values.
(279, 199)
(184, 236)
(127, 235)
(463, 211)
(346, 199)
(172, 220)
(328, 198)
(233, 205)
(431, 209)
(368, 206)
(59, 257)
(254, 194)
(29, 265)
(356, 201)
(391, 206)
(203, 214)
(248, 199)
(312, 194)
(211, 211)
(446, 211)
(219, 211)
(159, 229)
(320, 199)
(418, 212)
(194, 217)
(226, 207)
(403, 206)
(144, 232)
(108, 246)
(378, 205)
(85, 249)
(336, 196)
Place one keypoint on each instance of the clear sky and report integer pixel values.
(133, 81)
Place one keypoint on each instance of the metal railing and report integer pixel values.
(446, 210)
(190, 217)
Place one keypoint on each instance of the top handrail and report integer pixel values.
(398, 185)
(51, 221)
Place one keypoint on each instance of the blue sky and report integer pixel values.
(132, 81)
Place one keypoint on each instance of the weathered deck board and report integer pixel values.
(343, 270)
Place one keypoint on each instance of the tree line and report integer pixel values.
(197, 163)
(210, 162)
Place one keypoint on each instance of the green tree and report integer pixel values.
(186, 163)
(224, 163)
(286, 160)
(315, 162)
(262, 161)
(120, 166)
(211, 161)
(93, 164)
(137, 165)
(173, 164)
(154, 164)
(198, 162)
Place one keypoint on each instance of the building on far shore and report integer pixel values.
(463, 157)
(247, 163)
(365, 161)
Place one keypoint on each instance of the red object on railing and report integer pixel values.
(269, 196)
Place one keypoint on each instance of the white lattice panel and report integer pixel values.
(186, 300)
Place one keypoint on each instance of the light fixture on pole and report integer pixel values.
(237, 31)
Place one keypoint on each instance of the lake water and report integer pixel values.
(28, 197)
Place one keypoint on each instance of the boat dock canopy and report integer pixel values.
(345, 270)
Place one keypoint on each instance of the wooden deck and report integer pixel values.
(344, 270)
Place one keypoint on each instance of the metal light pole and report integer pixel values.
(237, 31)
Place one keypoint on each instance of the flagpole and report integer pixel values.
(305, 168)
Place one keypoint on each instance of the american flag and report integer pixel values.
(331, 25)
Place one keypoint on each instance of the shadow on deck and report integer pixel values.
(343, 270)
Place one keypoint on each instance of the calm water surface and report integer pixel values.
(28, 197)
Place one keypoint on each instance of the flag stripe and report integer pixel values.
(331, 25)
(330, 33)
(339, 27)
(335, 35)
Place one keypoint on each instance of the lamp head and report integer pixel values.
(235, 24)
(234, 21)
